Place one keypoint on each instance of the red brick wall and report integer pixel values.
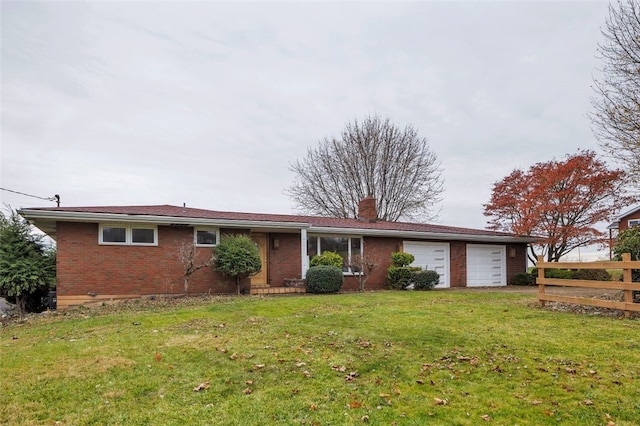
(84, 266)
(516, 260)
(458, 264)
(285, 260)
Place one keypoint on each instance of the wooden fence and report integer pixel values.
(626, 285)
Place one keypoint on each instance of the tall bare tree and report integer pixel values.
(372, 157)
(616, 116)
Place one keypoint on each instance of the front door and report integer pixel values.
(261, 240)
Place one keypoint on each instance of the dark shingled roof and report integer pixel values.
(315, 221)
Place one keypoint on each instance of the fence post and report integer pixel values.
(626, 278)
(540, 272)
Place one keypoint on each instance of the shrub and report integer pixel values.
(327, 258)
(399, 277)
(401, 259)
(592, 275)
(425, 280)
(561, 274)
(324, 279)
(237, 257)
(523, 279)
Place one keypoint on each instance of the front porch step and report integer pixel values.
(277, 290)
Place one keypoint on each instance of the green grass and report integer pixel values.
(381, 358)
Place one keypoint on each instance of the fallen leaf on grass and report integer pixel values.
(306, 373)
(536, 402)
(157, 357)
(587, 402)
(233, 356)
(485, 417)
(420, 382)
(355, 404)
(365, 419)
(201, 386)
(247, 391)
(258, 366)
(248, 382)
(300, 364)
(439, 401)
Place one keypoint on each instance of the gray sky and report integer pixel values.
(207, 103)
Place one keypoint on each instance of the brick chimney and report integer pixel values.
(367, 210)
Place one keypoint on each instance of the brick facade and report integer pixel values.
(88, 268)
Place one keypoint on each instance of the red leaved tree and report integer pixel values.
(559, 201)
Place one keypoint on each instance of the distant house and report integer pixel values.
(109, 253)
(626, 220)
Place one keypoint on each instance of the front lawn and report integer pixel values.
(404, 358)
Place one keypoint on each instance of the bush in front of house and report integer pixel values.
(592, 275)
(324, 279)
(523, 279)
(400, 274)
(560, 274)
(327, 258)
(425, 280)
(401, 259)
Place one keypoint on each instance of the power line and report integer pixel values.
(55, 198)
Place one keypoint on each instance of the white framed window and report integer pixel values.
(345, 245)
(138, 235)
(206, 237)
(634, 222)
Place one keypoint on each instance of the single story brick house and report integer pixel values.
(626, 220)
(124, 252)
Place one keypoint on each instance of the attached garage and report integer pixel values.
(486, 265)
(432, 256)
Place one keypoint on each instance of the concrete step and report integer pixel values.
(277, 290)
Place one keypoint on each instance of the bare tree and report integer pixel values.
(375, 158)
(616, 120)
(191, 262)
(362, 266)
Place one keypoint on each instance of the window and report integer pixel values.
(128, 235)
(347, 247)
(207, 237)
(634, 222)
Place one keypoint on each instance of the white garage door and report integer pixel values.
(486, 265)
(432, 256)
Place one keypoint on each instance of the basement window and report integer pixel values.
(128, 235)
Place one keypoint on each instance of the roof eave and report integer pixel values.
(36, 215)
(424, 235)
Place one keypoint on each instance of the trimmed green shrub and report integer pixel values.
(237, 257)
(324, 279)
(592, 275)
(523, 279)
(425, 280)
(399, 277)
(401, 259)
(327, 258)
(561, 274)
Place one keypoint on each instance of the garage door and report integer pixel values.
(432, 256)
(486, 265)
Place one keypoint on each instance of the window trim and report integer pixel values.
(633, 223)
(207, 229)
(128, 234)
(349, 236)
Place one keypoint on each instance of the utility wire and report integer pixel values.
(55, 198)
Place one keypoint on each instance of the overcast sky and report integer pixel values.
(207, 103)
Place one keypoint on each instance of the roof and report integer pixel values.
(45, 218)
